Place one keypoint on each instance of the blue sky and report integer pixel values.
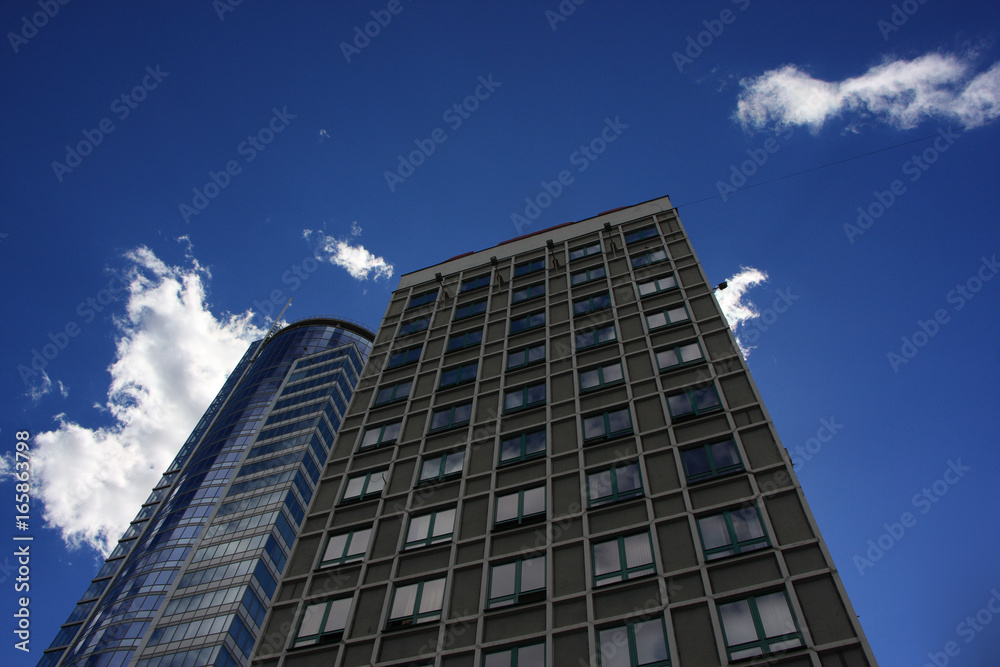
(172, 174)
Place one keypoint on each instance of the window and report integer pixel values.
(591, 303)
(607, 424)
(525, 355)
(517, 656)
(346, 547)
(525, 268)
(636, 644)
(733, 531)
(526, 322)
(619, 482)
(417, 603)
(516, 582)
(586, 276)
(711, 460)
(602, 376)
(679, 355)
(465, 339)
(585, 251)
(516, 507)
(423, 298)
(394, 392)
(365, 485)
(667, 317)
(528, 292)
(456, 415)
(522, 446)
(438, 467)
(415, 325)
(661, 284)
(430, 528)
(595, 336)
(408, 356)
(693, 402)
(380, 435)
(759, 624)
(474, 283)
(524, 397)
(622, 558)
(649, 257)
(459, 375)
(323, 622)
(640, 234)
(471, 308)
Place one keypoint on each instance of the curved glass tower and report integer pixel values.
(191, 579)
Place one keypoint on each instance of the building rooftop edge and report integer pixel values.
(354, 327)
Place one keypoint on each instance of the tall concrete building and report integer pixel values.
(556, 456)
(191, 579)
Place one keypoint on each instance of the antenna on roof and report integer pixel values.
(273, 330)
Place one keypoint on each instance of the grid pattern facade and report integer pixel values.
(191, 578)
(556, 456)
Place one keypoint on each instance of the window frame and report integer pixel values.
(406, 354)
(647, 258)
(588, 278)
(735, 547)
(528, 326)
(601, 382)
(471, 306)
(415, 297)
(529, 289)
(676, 349)
(528, 267)
(589, 300)
(426, 319)
(321, 637)
(416, 617)
(588, 250)
(689, 393)
(606, 415)
(467, 286)
(345, 557)
(525, 391)
(430, 539)
(365, 494)
(629, 627)
(464, 336)
(656, 283)
(595, 330)
(527, 361)
(668, 322)
(524, 455)
(625, 573)
(395, 392)
(441, 475)
(641, 234)
(451, 418)
(714, 470)
(521, 517)
(380, 440)
(513, 651)
(459, 379)
(763, 641)
(616, 495)
(518, 596)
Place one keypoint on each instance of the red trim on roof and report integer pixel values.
(540, 231)
(620, 208)
(471, 252)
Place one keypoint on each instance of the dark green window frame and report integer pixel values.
(713, 459)
(529, 395)
(441, 466)
(423, 298)
(527, 322)
(585, 251)
(593, 273)
(596, 336)
(769, 640)
(526, 356)
(591, 304)
(470, 284)
(457, 375)
(340, 609)
(623, 482)
(416, 325)
(598, 377)
(649, 257)
(527, 293)
(693, 402)
(413, 614)
(410, 355)
(471, 309)
(373, 482)
(656, 285)
(460, 341)
(641, 234)
(524, 655)
(667, 317)
(456, 415)
(383, 435)
(625, 570)
(520, 517)
(440, 527)
(606, 422)
(646, 641)
(399, 391)
(531, 266)
(735, 531)
(676, 356)
(347, 552)
(522, 446)
(525, 586)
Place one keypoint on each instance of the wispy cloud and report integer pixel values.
(737, 310)
(901, 93)
(172, 356)
(356, 259)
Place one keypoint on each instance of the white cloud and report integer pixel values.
(358, 261)
(355, 229)
(736, 310)
(172, 357)
(901, 93)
